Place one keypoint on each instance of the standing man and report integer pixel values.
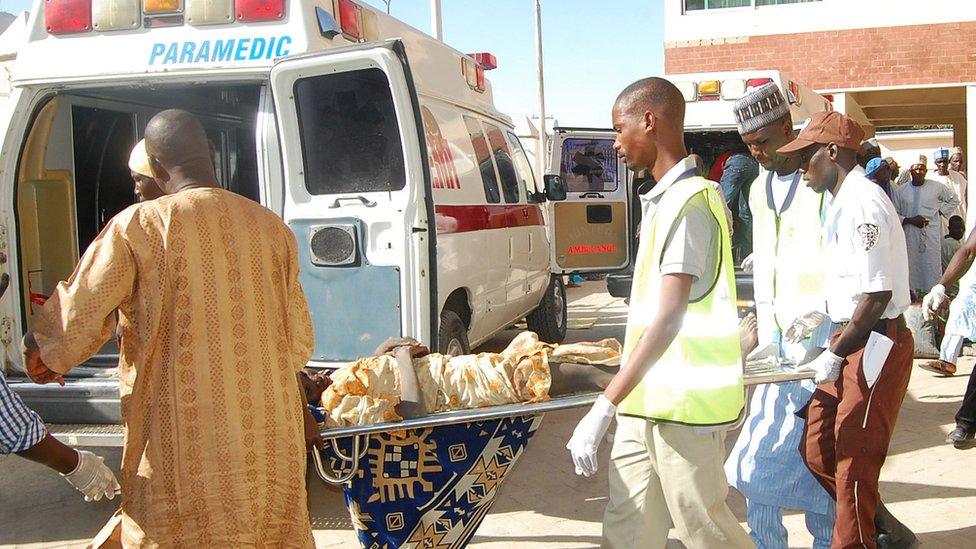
(920, 206)
(852, 414)
(955, 161)
(954, 180)
(738, 173)
(878, 172)
(765, 464)
(215, 329)
(960, 325)
(680, 384)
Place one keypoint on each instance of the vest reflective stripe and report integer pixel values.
(787, 251)
(698, 380)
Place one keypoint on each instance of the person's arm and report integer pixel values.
(961, 261)
(869, 309)
(80, 314)
(674, 295)
(301, 338)
(949, 201)
(52, 453)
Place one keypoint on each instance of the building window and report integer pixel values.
(698, 5)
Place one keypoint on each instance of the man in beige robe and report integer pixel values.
(214, 329)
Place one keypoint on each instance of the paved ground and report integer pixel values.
(926, 483)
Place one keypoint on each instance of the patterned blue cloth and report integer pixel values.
(20, 427)
(962, 312)
(431, 487)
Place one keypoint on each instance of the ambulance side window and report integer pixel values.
(483, 159)
(349, 133)
(522, 167)
(506, 166)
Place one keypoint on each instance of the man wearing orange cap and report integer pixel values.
(863, 375)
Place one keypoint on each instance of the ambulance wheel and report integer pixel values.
(452, 338)
(548, 320)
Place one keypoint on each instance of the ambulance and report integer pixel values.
(411, 198)
(600, 188)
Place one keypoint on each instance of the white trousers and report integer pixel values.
(664, 475)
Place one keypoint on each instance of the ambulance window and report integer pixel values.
(483, 159)
(349, 132)
(523, 167)
(589, 165)
(506, 166)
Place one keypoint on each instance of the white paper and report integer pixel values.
(875, 354)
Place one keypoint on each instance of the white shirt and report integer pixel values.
(780, 187)
(865, 249)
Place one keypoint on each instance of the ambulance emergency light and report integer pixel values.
(258, 10)
(350, 19)
(67, 16)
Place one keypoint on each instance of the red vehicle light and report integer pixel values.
(480, 72)
(485, 59)
(259, 10)
(67, 16)
(351, 19)
(755, 83)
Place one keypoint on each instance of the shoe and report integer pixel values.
(961, 438)
(890, 532)
(946, 369)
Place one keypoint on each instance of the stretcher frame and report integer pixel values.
(756, 373)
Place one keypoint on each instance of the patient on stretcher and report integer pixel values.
(405, 380)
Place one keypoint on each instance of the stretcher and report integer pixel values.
(430, 481)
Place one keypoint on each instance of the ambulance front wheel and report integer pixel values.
(548, 320)
(452, 338)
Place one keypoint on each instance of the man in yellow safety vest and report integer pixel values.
(680, 384)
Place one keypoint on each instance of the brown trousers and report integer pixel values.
(848, 429)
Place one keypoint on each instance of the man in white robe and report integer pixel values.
(952, 179)
(920, 206)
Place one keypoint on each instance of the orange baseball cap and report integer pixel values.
(825, 128)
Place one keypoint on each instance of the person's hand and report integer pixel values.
(92, 477)
(313, 437)
(417, 349)
(748, 263)
(35, 367)
(826, 367)
(917, 221)
(933, 301)
(803, 326)
(588, 434)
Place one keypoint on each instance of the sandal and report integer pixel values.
(946, 369)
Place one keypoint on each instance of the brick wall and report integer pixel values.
(889, 56)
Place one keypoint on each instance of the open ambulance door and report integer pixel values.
(589, 229)
(357, 196)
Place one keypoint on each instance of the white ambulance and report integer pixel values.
(412, 200)
(599, 186)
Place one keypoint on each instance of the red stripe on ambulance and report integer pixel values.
(465, 219)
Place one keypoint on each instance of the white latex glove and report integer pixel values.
(92, 477)
(747, 263)
(826, 366)
(933, 301)
(588, 435)
(803, 326)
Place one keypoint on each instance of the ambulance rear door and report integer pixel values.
(357, 196)
(590, 228)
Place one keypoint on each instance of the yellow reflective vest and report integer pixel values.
(788, 275)
(698, 380)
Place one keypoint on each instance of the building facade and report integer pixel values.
(900, 63)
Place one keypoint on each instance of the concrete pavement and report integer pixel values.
(928, 484)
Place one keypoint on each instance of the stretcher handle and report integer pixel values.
(353, 464)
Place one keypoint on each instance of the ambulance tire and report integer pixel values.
(452, 337)
(548, 320)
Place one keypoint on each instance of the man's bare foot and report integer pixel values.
(946, 369)
(748, 334)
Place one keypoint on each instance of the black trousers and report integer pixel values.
(966, 417)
